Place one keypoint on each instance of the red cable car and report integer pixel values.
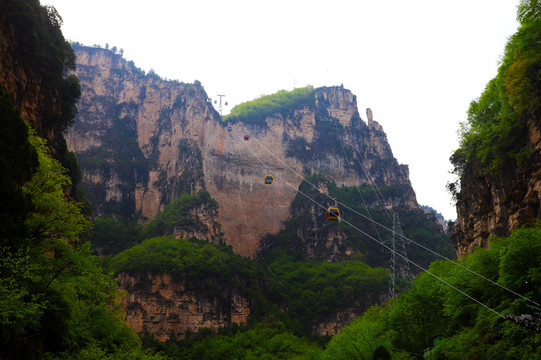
(246, 137)
(229, 128)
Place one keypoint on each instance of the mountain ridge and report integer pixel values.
(173, 126)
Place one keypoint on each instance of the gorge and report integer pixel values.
(142, 141)
(135, 225)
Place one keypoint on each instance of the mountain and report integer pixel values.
(156, 152)
(142, 141)
(439, 216)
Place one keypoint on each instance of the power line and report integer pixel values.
(374, 239)
(393, 268)
(389, 229)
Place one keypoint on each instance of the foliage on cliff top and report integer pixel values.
(431, 309)
(494, 133)
(177, 214)
(283, 101)
(184, 259)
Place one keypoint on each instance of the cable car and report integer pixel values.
(246, 137)
(269, 179)
(229, 128)
(333, 214)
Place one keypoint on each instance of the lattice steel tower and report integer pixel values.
(399, 267)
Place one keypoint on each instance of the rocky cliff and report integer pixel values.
(141, 141)
(499, 160)
(144, 142)
(34, 60)
(496, 205)
(158, 304)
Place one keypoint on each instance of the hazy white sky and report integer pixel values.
(417, 64)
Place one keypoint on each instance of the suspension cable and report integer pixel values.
(259, 253)
(358, 188)
(381, 243)
(391, 230)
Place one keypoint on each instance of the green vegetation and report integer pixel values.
(431, 309)
(319, 289)
(263, 341)
(180, 213)
(284, 102)
(360, 200)
(185, 259)
(55, 301)
(18, 161)
(42, 50)
(494, 134)
(113, 234)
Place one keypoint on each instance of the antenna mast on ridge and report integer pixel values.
(220, 108)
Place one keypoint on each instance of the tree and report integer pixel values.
(18, 161)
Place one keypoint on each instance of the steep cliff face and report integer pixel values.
(496, 205)
(34, 59)
(499, 159)
(142, 141)
(17, 78)
(162, 306)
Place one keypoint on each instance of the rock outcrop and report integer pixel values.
(32, 71)
(141, 141)
(162, 306)
(496, 205)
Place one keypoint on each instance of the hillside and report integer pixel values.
(55, 300)
(200, 259)
(498, 163)
(142, 141)
(487, 306)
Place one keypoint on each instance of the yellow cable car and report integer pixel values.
(333, 214)
(269, 179)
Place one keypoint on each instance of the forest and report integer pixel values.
(60, 300)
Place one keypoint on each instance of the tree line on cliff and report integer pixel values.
(494, 135)
(431, 320)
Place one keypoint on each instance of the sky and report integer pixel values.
(417, 64)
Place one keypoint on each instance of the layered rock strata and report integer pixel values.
(164, 307)
(176, 142)
(491, 205)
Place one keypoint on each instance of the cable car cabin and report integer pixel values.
(333, 214)
(269, 179)
(229, 128)
(246, 137)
